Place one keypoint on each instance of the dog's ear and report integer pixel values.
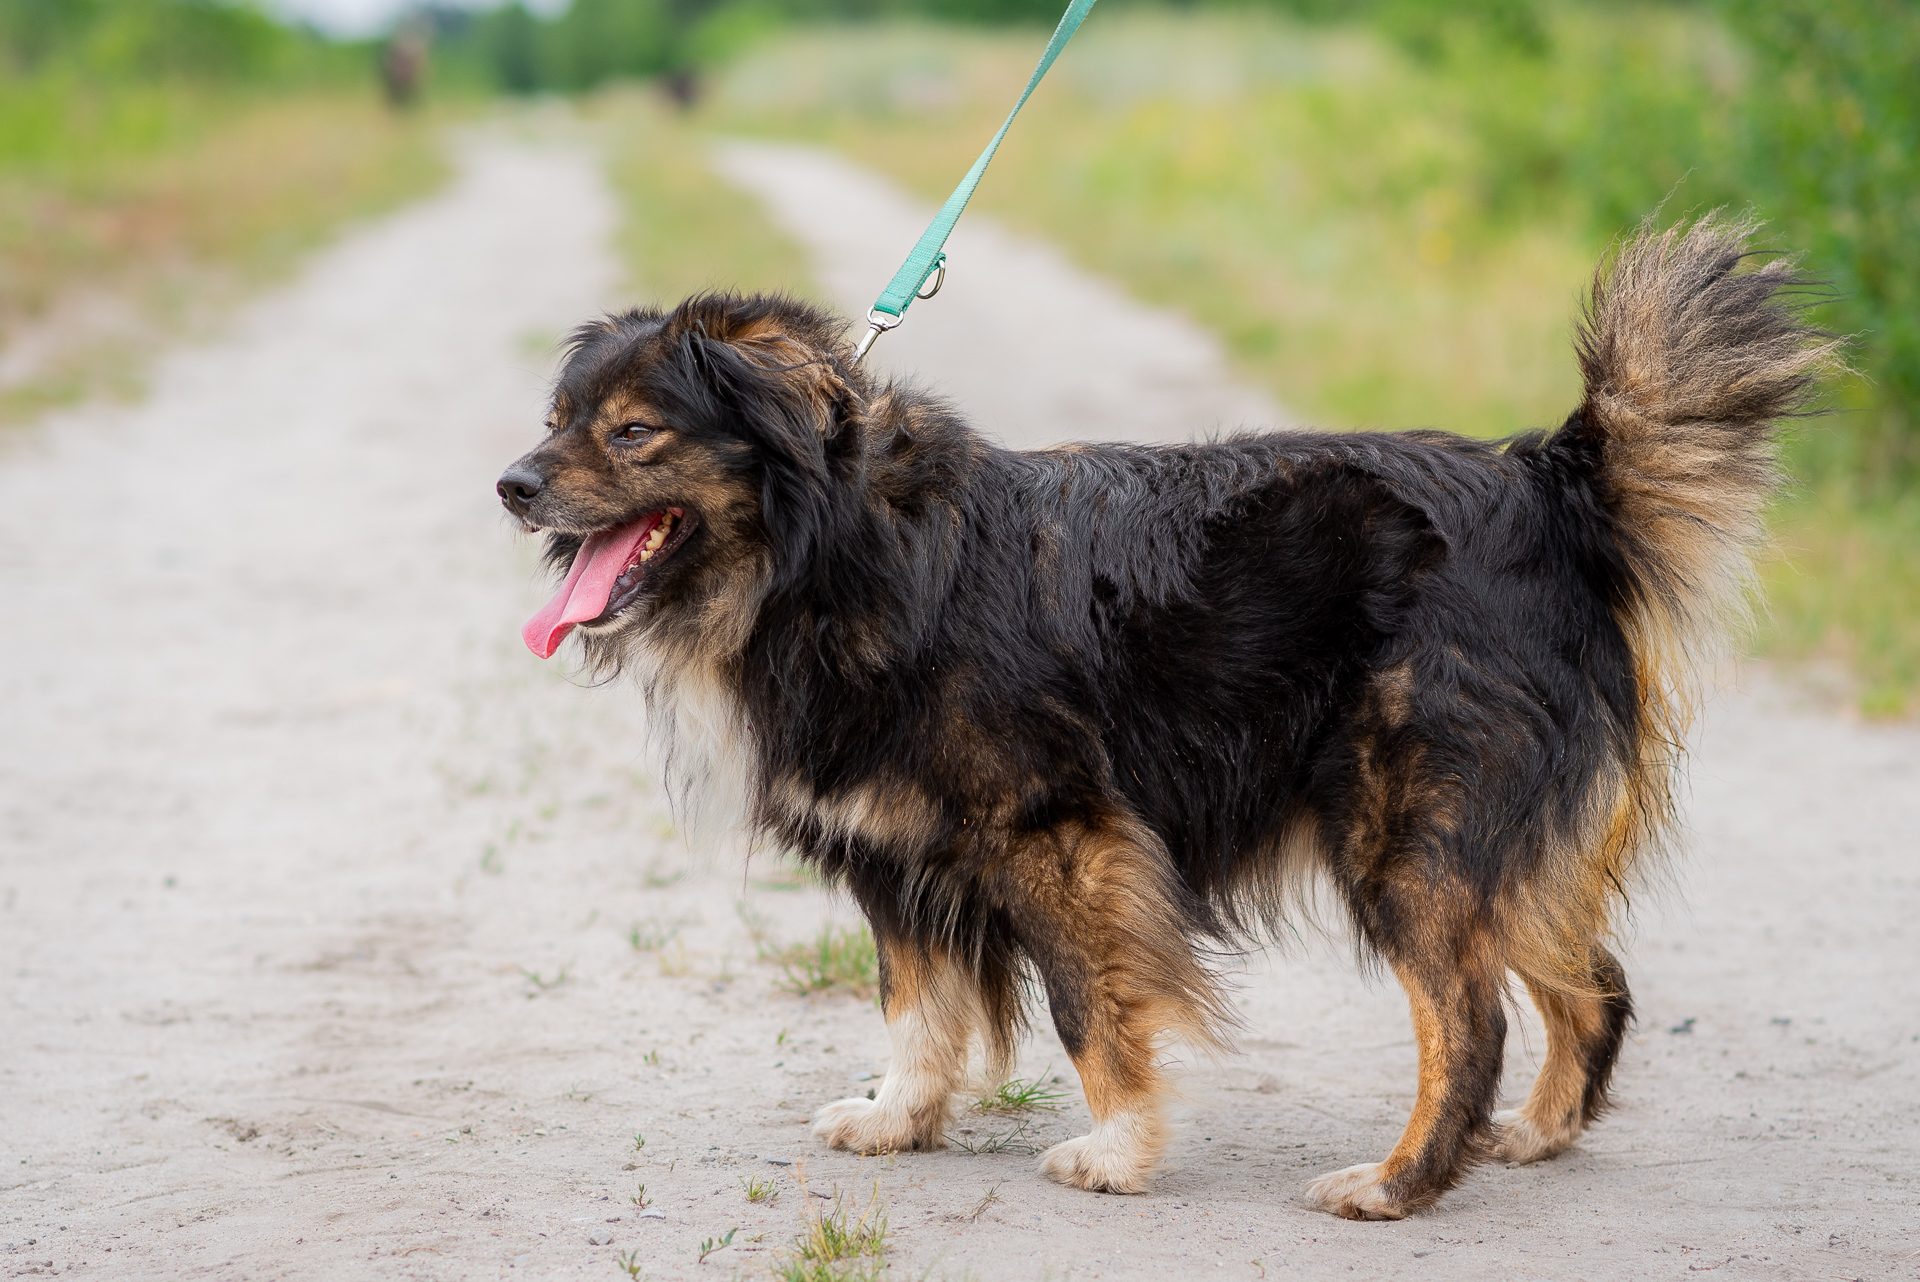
(813, 376)
(791, 406)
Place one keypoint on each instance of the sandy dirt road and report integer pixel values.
(319, 897)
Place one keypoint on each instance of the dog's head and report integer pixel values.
(689, 456)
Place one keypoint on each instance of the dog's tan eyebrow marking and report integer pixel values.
(622, 408)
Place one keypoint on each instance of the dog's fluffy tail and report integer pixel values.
(1693, 348)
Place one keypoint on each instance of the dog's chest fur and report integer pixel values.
(702, 734)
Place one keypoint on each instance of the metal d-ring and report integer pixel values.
(939, 277)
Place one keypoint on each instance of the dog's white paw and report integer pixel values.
(862, 1126)
(1099, 1163)
(1354, 1194)
(1517, 1139)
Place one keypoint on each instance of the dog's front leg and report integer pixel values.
(933, 1009)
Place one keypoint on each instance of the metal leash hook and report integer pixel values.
(880, 322)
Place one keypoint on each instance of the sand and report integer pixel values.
(344, 939)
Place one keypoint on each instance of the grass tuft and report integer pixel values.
(653, 934)
(844, 1244)
(838, 959)
(1022, 1095)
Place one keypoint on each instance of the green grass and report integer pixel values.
(840, 959)
(1021, 1095)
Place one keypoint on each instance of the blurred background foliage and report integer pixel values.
(158, 155)
(1386, 208)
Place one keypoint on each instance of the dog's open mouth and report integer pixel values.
(607, 575)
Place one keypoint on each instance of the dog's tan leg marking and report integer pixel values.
(1097, 915)
(1551, 1118)
(933, 1011)
(1460, 1028)
(1584, 1031)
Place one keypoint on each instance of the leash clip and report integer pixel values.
(881, 322)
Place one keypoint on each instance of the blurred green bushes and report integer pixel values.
(84, 83)
(158, 155)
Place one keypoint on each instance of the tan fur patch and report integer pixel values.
(1553, 1107)
(894, 815)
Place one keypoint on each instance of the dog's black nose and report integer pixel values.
(520, 486)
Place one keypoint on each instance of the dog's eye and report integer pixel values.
(633, 432)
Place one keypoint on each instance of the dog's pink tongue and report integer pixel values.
(600, 560)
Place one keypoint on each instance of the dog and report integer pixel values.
(1081, 718)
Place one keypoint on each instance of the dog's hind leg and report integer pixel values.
(1584, 1033)
(1095, 907)
(934, 1009)
(1454, 976)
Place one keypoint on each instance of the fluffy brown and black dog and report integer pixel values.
(1081, 715)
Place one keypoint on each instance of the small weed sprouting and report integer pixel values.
(639, 1141)
(1011, 1142)
(640, 1198)
(782, 1039)
(577, 1095)
(839, 959)
(541, 982)
(628, 1262)
(709, 1245)
(652, 935)
(651, 1057)
(1022, 1095)
(759, 1190)
(980, 1208)
(490, 860)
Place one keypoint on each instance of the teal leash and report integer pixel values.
(929, 255)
